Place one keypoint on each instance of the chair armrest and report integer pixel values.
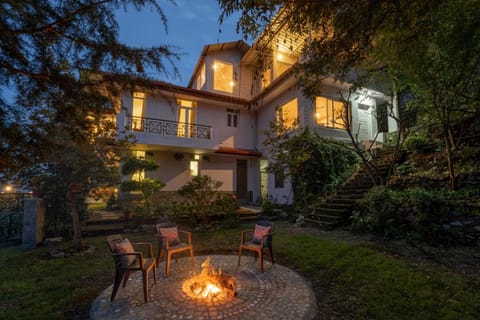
(242, 235)
(188, 234)
(138, 255)
(145, 244)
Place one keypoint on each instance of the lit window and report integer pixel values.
(329, 113)
(201, 77)
(287, 115)
(194, 168)
(282, 62)
(138, 110)
(186, 118)
(139, 175)
(232, 118)
(223, 76)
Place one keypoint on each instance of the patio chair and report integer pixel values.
(171, 243)
(127, 260)
(262, 237)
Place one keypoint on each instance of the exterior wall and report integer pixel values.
(207, 114)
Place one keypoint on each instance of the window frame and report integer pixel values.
(330, 121)
(220, 86)
(233, 117)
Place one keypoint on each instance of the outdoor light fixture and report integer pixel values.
(8, 188)
(231, 83)
(196, 157)
(279, 56)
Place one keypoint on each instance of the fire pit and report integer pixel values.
(278, 293)
(210, 284)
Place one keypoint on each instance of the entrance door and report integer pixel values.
(242, 192)
(364, 122)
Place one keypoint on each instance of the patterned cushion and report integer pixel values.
(125, 246)
(260, 232)
(171, 234)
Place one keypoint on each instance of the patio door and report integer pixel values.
(186, 119)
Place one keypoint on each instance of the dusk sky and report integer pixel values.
(192, 24)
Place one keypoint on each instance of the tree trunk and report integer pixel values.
(77, 235)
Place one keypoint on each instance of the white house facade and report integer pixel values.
(216, 125)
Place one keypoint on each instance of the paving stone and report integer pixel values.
(278, 293)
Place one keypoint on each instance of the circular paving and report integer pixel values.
(277, 293)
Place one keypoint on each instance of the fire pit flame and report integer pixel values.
(210, 284)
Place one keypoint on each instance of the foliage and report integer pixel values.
(201, 193)
(419, 143)
(146, 186)
(315, 165)
(412, 213)
(50, 55)
(267, 207)
(63, 162)
(426, 50)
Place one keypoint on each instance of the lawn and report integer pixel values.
(351, 281)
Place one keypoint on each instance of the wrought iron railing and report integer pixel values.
(169, 128)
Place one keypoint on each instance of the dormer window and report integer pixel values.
(223, 76)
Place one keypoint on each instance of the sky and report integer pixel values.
(192, 24)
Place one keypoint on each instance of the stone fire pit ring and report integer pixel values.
(277, 293)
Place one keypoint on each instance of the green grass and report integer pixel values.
(362, 282)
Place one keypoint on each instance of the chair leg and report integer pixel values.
(239, 255)
(145, 285)
(191, 257)
(125, 278)
(260, 259)
(270, 253)
(167, 264)
(116, 284)
(161, 252)
(154, 273)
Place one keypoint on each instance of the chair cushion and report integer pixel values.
(171, 235)
(260, 232)
(125, 246)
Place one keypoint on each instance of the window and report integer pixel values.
(223, 76)
(282, 62)
(287, 114)
(186, 118)
(194, 168)
(329, 113)
(139, 175)
(201, 77)
(232, 118)
(138, 110)
(279, 178)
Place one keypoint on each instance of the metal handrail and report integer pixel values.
(170, 128)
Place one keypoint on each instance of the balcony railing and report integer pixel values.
(169, 128)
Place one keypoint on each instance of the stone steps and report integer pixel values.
(336, 208)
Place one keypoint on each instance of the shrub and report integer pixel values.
(413, 213)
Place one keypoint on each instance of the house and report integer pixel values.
(215, 126)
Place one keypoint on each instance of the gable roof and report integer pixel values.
(239, 45)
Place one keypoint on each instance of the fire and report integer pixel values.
(209, 284)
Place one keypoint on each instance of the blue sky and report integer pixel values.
(191, 25)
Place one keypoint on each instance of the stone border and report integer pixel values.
(278, 293)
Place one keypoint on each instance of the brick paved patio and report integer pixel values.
(278, 293)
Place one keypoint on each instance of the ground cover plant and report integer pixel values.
(350, 280)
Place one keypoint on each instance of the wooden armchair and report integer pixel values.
(262, 237)
(170, 243)
(127, 260)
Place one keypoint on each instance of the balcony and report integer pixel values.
(168, 128)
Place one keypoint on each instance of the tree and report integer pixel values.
(51, 97)
(147, 186)
(49, 51)
(429, 48)
(313, 164)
